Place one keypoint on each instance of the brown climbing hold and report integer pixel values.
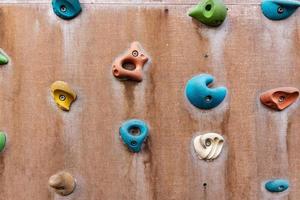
(63, 183)
(279, 98)
(130, 65)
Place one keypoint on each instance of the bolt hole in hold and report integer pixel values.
(208, 99)
(208, 7)
(62, 97)
(135, 131)
(63, 8)
(135, 53)
(129, 66)
(281, 187)
(204, 184)
(207, 142)
(280, 10)
(281, 99)
(133, 143)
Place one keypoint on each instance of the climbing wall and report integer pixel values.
(248, 54)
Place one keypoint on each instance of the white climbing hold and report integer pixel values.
(208, 146)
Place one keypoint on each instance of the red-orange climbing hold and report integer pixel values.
(279, 98)
(129, 66)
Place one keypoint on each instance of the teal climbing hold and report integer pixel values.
(209, 12)
(3, 59)
(277, 185)
(200, 95)
(133, 133)
(66, 9)
(279, 9)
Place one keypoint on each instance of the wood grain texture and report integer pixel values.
(249, 54)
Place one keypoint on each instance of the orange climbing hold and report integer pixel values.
(130, 65)
(279, 98)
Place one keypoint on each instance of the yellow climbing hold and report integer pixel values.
(63, 95)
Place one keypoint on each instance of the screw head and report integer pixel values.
(63, 8)
(280, 10)
(280, 187)
(281, 99)
(135, 53)
(207, 142)
(208, 99)
(133, 143)
(62, 97)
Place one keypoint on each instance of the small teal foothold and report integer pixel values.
(66, 9)
(279, 9)
(277, 185)
(200, 95)
(134, 132)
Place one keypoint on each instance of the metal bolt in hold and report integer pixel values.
(207, 142)
(280, 10)
(63, 8)
(208, 99)
(135, 53)
(280, 187)
(62, 97)
(281, 99)
(133, 143)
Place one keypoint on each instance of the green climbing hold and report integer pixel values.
(2, 140)
(209, 12)
(3, 59)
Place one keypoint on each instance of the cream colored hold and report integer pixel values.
(63, 183)
(208, 146)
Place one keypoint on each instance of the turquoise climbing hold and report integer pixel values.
(277, 185)
(279, 9)
(3, 59)
(133, 133)
(202, 96)
(66, 9)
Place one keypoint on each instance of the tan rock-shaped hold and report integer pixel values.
(63, 183)
(130, 65)
(208, 146)
(279, 98)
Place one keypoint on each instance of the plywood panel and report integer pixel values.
(249, 54)
(136, 2)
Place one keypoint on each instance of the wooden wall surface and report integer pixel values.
(248, 53)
